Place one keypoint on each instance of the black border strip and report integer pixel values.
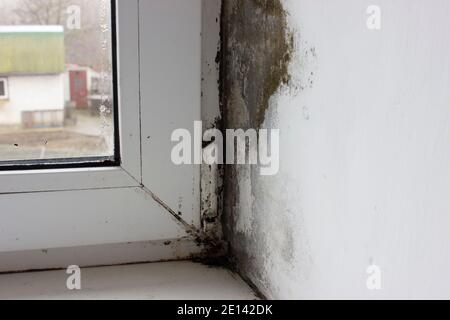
(83, 162)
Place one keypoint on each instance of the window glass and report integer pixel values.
(58, 58)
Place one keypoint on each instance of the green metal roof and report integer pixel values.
(32, 50)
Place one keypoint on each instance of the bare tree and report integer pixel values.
(83, 46)
(6, 18)
(45, 12)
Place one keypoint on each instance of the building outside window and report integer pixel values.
(3, 89)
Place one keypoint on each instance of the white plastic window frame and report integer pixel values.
(5, 96)
(143, 199)
(128, 173)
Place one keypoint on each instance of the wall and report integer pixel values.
(30, 93)
(211, 175)
(364, 122)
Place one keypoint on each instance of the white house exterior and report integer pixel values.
(32, 76)
(33, 94)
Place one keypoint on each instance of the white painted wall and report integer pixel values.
(31, 93)
(365, 175)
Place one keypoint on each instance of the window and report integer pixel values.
(57, 206)
(60, 105)
(3, 89)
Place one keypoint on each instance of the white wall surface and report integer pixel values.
(31, 93)
(364, 174)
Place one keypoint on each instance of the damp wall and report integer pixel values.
(362, 193)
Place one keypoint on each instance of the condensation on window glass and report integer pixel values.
(56, 80)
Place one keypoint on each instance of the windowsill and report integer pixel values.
(169, 280)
